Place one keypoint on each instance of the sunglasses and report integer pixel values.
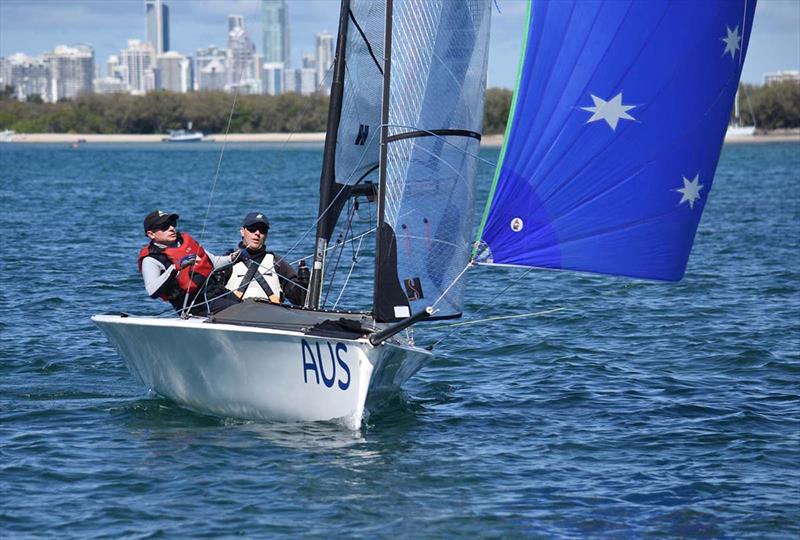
(260, 228)
(165, 226)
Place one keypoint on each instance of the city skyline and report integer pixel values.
(34, 27)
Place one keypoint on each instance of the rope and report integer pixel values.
(505, 317)
(348, 230)
(213, 188)
(350, 273)
(467, 267)
(491, 302)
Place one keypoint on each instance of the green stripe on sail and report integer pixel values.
(509, 123)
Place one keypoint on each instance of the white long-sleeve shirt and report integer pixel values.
(155, 274)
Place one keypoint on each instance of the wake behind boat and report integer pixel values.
(609, 154)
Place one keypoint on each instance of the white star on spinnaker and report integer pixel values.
(690, 192)
(611, 111)
(732, 41)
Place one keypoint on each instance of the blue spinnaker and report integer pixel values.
(617, 123)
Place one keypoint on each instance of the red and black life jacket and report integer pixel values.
(189, 278)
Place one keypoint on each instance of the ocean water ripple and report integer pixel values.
(637, 409)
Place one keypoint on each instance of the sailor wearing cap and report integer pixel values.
(259, 273)
(173, 265)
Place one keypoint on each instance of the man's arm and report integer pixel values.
(289, 282)
(219, 260)
(157, 277)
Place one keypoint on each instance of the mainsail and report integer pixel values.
(434, 118)
(617, 123)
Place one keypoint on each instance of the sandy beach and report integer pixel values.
(284, 138)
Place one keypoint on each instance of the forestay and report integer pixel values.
(437, 84)
(617, 124)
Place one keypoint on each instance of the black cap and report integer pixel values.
(255, 217)
(156, 218)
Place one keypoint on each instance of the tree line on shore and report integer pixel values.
(774, 107)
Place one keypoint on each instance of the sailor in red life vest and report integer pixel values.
(173, 265)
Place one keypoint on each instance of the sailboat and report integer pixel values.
(736, 129)
(616, 125)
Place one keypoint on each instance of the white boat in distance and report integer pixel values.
(736, 130)
(184, 135)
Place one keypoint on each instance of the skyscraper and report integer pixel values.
(324, 59)
(275, 27)
(174, 72)
(242, 71)
(28, 76)
(71, 71)
(139, 60)
(157, 15)
(272, 78)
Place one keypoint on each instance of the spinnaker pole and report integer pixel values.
(328, 176)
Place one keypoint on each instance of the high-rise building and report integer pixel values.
(114, 68)
(71, 71)
(204, 57)
(781, 76)
(29, 76)
(242, 70)
(272, 78)
(213, 77)
(5, 77)
(309, 61)
(302, 81)
(275, 28)
(157, 22)
(138, 61)
(110, 85)
(174, 72)
(324, 60)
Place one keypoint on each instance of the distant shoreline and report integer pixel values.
(489, 141)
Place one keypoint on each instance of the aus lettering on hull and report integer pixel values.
(323, 364)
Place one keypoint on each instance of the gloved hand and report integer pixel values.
(189, 260)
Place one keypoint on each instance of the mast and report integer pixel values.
(328, 175)
(387, 68)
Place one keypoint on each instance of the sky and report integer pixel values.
(36, 26)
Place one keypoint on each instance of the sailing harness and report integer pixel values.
(189, 279)
(261, 272)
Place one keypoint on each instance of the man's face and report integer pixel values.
(254, 236)
(164, 234)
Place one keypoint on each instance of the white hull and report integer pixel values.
(185, 137)
(258, 373)
(740, 131)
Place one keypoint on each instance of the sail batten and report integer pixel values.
(617, 124)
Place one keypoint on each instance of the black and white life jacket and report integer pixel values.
(262, 278)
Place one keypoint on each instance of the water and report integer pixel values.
(641, 409)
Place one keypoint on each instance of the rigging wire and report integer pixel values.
(348, 230)
(211, 195)
(356, 251)
(487, 304)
